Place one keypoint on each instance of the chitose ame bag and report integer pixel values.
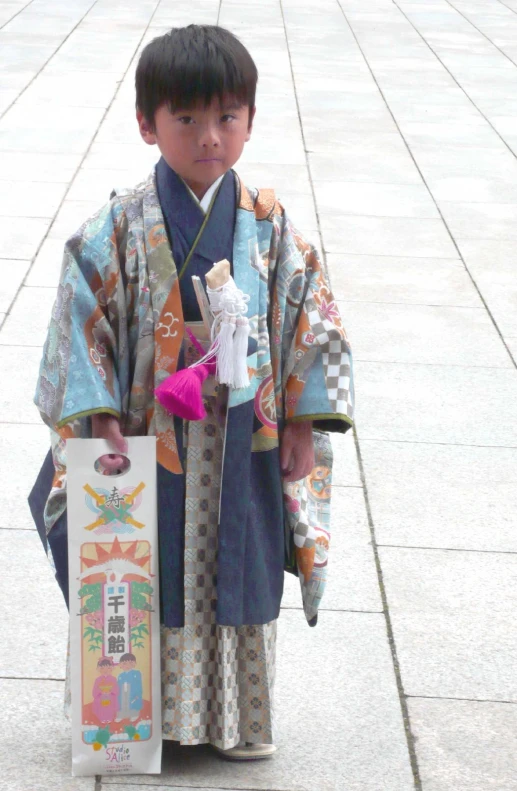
(114, 610)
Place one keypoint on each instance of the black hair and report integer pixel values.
(191, 65)
(127, 658)
(105, 663)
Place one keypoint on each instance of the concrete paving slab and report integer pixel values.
(95, 51)
(97, 185)
(491, 263)
(374, 200)
(452, 615)
(33, 199)
(352, 583)
(474, 189)
(26, 52)
(452, 133)
(286, 152)
(27, 166)
(35, 23)
(424, 334)
(119, 127)
(346, 468)
(418, 281)
(434, 403)
(481, 220)
(46, 268)
(21, 236)
(34, 709)
(77, 89)
(72, 215)
(465, 745)
(29, 318)
(18, 384)
(17, 80)
(359, 165)
(439, 162)
(395, 236)
(59, 132)
(117, 156)
(7, 97)
(12, 273)
(442, 496)
(416, 108)
(33, 580)
(22, 450)
(8, 10)
(301, 208)
(355, 730)
(130, 787)
(283, 177)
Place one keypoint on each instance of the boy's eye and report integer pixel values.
(227, 117)
(186, 119)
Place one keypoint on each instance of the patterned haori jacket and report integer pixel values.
(115, 335)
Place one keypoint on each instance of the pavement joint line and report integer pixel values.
(469, 21)
(77, 170)
(304, 142)
(451, 549)
(507, 6)
(358, 359)
(410, 257)
(456, 260)
(179, 788)
(4, 112)
(30, 678)
(466, 700)
(425, 442)
(382, 302)
(16, 14)
(410, 739)
(473, 280)
(338, 609)
(24, 529)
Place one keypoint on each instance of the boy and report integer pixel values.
(118, 331)
(130, 700)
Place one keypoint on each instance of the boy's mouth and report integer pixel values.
(209, 159)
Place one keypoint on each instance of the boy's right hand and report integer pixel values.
(108, 427)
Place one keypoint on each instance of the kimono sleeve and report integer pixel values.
(79, 372)
(317, 378)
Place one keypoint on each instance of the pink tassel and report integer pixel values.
(181, 393)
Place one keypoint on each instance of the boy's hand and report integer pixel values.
(107, 427)
(297, 451)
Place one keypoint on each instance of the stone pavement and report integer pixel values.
(390, 132)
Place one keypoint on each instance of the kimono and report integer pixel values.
(130, 699)
(117, 332)
(105, 697)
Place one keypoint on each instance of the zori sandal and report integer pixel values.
(247, 751)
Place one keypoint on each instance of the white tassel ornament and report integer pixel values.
(231, 328)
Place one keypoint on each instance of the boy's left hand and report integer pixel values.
(296, 451)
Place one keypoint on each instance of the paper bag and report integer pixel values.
(114, 611)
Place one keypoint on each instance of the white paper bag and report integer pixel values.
(114, 611)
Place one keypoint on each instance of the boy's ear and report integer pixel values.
(250, 123)
(146, 132)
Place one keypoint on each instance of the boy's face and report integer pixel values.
(202, 143)
(127, 665)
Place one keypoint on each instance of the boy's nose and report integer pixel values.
(209, 136)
